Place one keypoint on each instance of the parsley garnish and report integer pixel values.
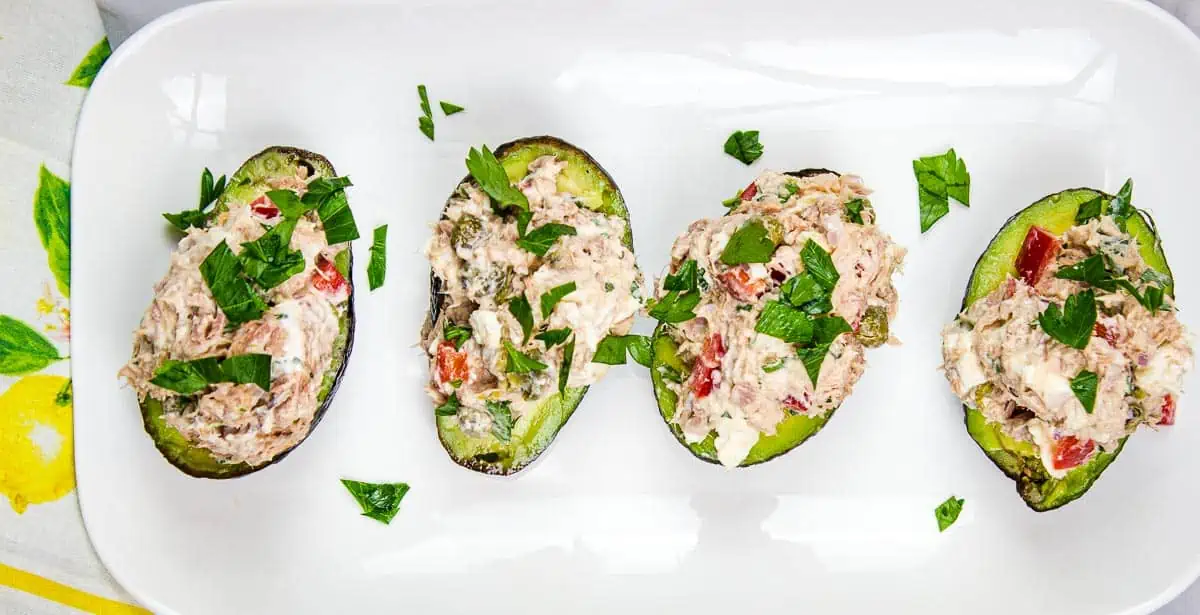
(854, 209)
(502, 421)
(744, 145)
(222, 272)
(553, 296)
(675, 307)
(188, 377)
(425, 121)
(1072, 325)
(493, 180)
(785, 322)
(819, 265)
(613, 348)
(542, 237)
(1121, 207)
(377, 266)
(939, 179)
(1095, 272)
(554, 337)
(1089, 210)
(520, 309)
(209, 192)
(458, 334)
(450, 108)
(564, 372)
(751, 243)
(379, 501)
(825, 330)
(449, 407)
(1084, 386)
(947, 512)
(687, 277)
(268, 261)
(519, 362)
(328, 197)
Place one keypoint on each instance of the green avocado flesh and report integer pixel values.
(245, 185)
(1018, 459)
(789, 433)
(536, 429)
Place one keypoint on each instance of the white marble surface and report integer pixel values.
(123, 17)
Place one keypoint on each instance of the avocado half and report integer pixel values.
(791, 432)
(1017, 459)
(246, 184)
(535, 430)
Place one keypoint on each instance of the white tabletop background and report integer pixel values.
(123, 17)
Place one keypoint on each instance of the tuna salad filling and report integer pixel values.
(1077, 351)
(772, 306)
(188, 342)
(526, 297)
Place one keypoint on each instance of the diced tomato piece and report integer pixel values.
(1168, 411)
(1070, 452)
(1037, 252)
(327, 279)
(263, 206)
(452, 364)
(749, 192)
(795, 404)
(707, 366)
(1105, 333)
(741, 285)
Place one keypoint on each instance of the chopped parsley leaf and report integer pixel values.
(450, 108)
(449, 407)
(1084, 386)
(543, 237)
(613, 348)
(493, 179)
(744, 145)
(554, 337)
(1072, 325)
(222, 273)
(209, 192)
(564, 372)
(947, 512)
(377, 266)
(553, 296)
(519, 307)
(751, 243)
(189, 377)
(819, 264)
(458, 334)
(939, 179)
(519, 362)
(502, 421)
(675, 307)
(854, 209)
(379, 501)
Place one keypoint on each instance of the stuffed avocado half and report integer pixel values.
(247, 336)
(532, 267)
(1067, 342)
(766, 314)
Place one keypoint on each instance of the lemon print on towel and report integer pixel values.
(35, 434)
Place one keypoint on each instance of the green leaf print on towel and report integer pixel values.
(90, 65)
(52, 216)
(22, 349)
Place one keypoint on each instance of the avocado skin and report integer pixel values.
(507, 459)
(195, 460)
(1037, 488)
(799, 427)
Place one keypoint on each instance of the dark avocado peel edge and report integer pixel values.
(244, 185)
(1018, 460)
(535, 430)
(791, 432)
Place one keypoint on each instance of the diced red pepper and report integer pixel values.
(1105, 333)
(1070, 452)
(741, 285)
(263, 206)
(1168, 411)
(707, 366)
(327, 279)
(795, 404)
(452, 364)
(749, 192)
(1037, 252)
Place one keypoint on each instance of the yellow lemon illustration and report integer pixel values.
(37, 464)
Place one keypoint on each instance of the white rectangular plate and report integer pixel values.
(1036, 96)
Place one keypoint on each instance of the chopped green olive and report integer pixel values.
(465, 232)
(873, 329)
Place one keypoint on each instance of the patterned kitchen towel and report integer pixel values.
(50, 51)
